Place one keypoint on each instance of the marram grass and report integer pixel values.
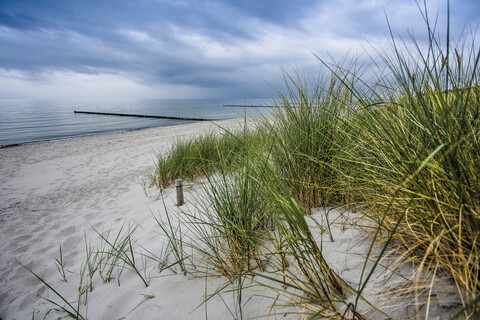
(417, 161)
(203, 156)
(307, 137)
(404, 144)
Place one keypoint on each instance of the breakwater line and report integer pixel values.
(246, 106)
(144, 116)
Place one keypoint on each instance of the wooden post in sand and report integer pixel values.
(179, 186)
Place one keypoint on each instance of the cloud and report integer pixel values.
(68, 84)
(212, 47)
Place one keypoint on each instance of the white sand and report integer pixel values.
(54, 192)
(51, 192)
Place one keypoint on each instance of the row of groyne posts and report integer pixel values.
(167, 117)
(143, 116)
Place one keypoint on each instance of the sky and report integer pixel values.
(108, 49)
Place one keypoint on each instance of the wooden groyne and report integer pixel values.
(245, 106)
(144, 116)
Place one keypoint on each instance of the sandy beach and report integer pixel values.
(53, 192)
(58, 193)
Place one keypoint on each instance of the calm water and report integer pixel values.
(24, 121)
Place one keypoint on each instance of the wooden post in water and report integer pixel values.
(179, 186)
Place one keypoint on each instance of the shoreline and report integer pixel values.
(61, 120)
(103, 133)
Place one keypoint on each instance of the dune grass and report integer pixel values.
(418, 169)
(402, 143)
(203, 156)
(310, 282)
(232, 210)
(119, 251)
(307, 136)
(69, 309)
(238, 213)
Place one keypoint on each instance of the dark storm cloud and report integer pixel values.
(110, 36)
(86, 35)
(209, 44)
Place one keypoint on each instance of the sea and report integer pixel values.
(30, 121)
